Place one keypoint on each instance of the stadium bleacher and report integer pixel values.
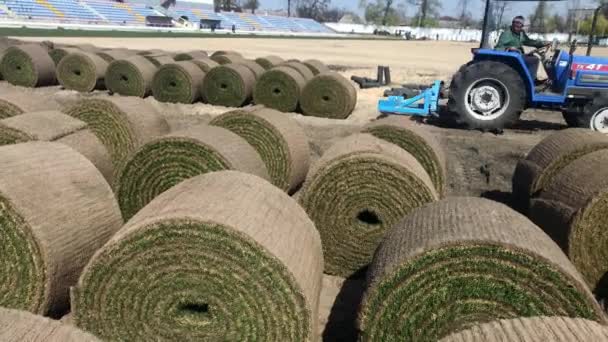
(132, 13)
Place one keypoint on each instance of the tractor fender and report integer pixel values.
(514, 60)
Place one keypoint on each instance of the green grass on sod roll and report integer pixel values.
(51, 227)
(121, 123)
(279, 88)
(45, 125)
(269, 62)
(187, 268)
(418, 141)
(159, 60)
(186, 56)
(464, 261)
(17, 102)
(360, 187)
(164, 162)
(227, 59)
(229, 85)
(301, 68)
(9, 135)
(572, 210)
(316, 66)
(19, 326)
(58, 53)
(328, 95)
(82, 71)
(130, 77)
(279, 140)
(28, 65)
(224, 52)
(177, 82)
(546, 159)
(533, 329)
(205, 64)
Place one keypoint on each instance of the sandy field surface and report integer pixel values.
(479, 164)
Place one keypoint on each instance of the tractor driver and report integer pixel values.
(514, 40)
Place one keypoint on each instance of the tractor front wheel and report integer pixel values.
(487, 95)
(594, 116)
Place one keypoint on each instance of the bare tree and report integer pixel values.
(387, 10)
(500, 7)
(252, 5)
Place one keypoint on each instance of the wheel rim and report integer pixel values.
(599, 121)
(487, 99)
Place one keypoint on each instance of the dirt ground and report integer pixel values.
(479, 164)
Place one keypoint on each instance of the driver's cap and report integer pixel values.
(519, 20)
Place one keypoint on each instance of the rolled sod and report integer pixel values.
(121, 123)
(464, 261)
(229, 85)
(166, 161)
(159, 60)
(92, 148)
(82, 71)
(225, 52)
(227, 59)
(545, 160)
(279, 88)
(130, 77)
(316, 66)
(52, 226)
(220, 256)
(58, 53)
(87, 47)
(45, 126)
(416, 140)
(152, 52)
(16, 102)
(20, 326)
(205, 64)
(28, 65)
(301, 68)
(254, 67)
(533, 329)
(186, 56)
(359, 188)
(114, 54)
(572, 210)
(177, 82)
(280, 141)
(328, 95)
(269, 62)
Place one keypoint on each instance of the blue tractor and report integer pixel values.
(492, 90)
(495, 87)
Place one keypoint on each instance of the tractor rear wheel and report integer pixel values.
(487, 95)
(594, 116)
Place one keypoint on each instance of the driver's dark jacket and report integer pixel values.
(510, 39)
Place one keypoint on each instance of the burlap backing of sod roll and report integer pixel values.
(534, 172)
(418, 141)
(225, 52)
(205, 64)
(58, 53)
(178, 82)
(253, 66)
(533, 329)
(87, 47)
(152, 52)
(316, 66)
(280, 141)
(301, 68)
(222, 256)
(159, 60)
(121, 123)
(114, 54)
(186, 56)
(90, 146)
(166, 161)
(46, 125)
(22, 326)
(279, 88)
(269, 62)
(130, 77)
(28, 65)
(51, 226)
(82, 71)
(227, 59)
(360, 187)
(572, 210)
(17, 102)
(464, 261)
(328, 95)
(229, 85)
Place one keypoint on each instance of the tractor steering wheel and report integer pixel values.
(541, 51)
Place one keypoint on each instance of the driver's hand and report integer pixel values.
(512, 49)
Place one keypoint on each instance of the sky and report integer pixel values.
(449, 6)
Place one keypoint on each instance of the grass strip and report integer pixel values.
(82, 71)
(316, 66)
(17, 102)
(229, 85)
(177, 82)
(187, 56)
(269, 62)
(328, 95)
(279, 88)
(130, 77)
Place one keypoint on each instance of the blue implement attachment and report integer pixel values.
(424, 104)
